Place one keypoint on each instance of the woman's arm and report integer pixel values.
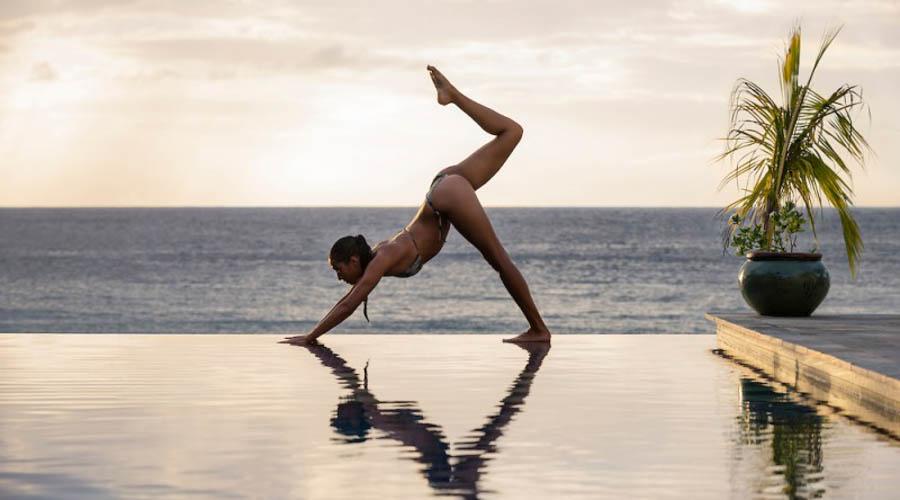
(348, 303)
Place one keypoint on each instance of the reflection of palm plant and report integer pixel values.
(796, 435)
(793, 151)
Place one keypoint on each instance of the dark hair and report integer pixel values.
(347, 247)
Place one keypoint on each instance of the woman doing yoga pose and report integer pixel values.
(450, 200)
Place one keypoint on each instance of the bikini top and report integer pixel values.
(417, 264)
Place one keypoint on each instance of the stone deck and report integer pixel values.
(848, 361)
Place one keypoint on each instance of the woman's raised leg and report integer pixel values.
(456, 198)
(481, 165)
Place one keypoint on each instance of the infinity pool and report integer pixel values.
(416, 416)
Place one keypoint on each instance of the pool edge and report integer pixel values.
(858, 392)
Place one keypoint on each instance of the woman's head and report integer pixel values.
(349, 257)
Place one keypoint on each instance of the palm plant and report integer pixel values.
(794, 151)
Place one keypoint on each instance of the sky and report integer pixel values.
(325, 103)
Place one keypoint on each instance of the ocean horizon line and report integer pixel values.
(101, 207)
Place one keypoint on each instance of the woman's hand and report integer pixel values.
(299, 340)
(345, 307)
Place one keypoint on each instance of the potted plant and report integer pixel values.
(791, 153)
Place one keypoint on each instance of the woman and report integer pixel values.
(451, 200)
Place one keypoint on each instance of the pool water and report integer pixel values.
(416, 416)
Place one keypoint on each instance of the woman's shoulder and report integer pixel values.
(385, 256)
(388, 249)
(381, 244)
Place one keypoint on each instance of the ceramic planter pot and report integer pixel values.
(784, 284)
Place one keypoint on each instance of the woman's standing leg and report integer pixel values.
(457, 199)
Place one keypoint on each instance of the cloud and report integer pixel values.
(19, 9)
(747, 6)
(225, 55)
(43, 72)
(11, 28)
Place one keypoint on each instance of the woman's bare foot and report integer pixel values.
(531, 336)
(304, 340)
(445, 91)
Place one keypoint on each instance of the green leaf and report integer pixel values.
(796, 150)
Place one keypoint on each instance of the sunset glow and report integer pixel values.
(286, 104)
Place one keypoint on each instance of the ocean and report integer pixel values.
(264, 270)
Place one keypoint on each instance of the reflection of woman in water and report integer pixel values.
(450, 200)
(403, 421)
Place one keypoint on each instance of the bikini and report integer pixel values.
(417, 264)
(437, 213)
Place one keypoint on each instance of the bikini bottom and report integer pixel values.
(441, 219)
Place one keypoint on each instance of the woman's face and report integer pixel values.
(348, 271)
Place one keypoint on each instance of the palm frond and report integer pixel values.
(797, 150)
(838, 193)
